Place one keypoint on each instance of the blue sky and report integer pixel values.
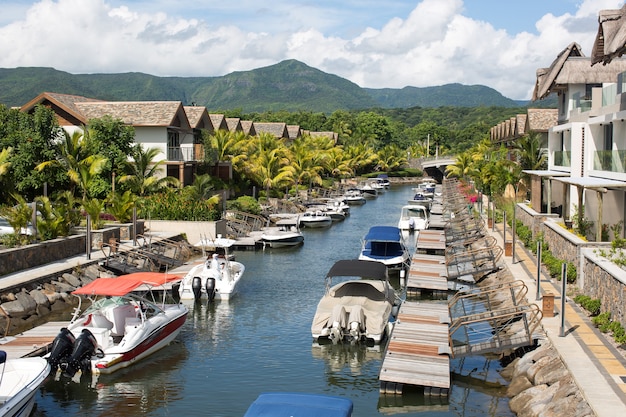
(375, 44)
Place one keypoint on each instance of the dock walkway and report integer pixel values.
(418, 350)
(427, 272)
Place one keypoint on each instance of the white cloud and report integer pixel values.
(434, 44)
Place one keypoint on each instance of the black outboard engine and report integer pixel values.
(210, 288)
(62, 348)
(196, 287)
(84, 349)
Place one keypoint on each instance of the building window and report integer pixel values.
(173, 146)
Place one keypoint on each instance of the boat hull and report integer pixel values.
(155, 340)
(225, 287)
(22, 400)
(282, 241)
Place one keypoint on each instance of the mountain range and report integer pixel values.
(289, 85)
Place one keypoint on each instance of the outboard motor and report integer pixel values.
(62, 348)
(210, 288)
(84, 349)
(196, 287)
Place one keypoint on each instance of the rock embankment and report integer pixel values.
(541, 385)
(24, 309)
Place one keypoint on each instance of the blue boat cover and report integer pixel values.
(383, 234)
(294, 404)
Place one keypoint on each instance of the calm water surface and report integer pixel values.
(230, 352)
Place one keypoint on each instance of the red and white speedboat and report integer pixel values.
(119, 327)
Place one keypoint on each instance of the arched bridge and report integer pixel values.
(436, 167)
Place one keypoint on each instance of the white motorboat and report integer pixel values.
(281, 236)
(383, 179)
(354, 197)
(19, 381)
(362, 307)
(421, 199)
(338, 204)
(120, 326)
(385, 244)
(216, 278)
(413, 217)
(315, 219)
(367, 190)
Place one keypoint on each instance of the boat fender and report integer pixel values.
(84, 348)
(210, 288)
(196, 287)
(62, 348)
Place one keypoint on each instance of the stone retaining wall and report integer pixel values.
(532, 219)
(604, 280)
(23, 309)
(29, 256)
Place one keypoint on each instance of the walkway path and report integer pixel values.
(598, 368)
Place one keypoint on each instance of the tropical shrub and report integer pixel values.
(174, 204)
(244, 203)
(592, 305)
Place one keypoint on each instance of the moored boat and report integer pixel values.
(315, 219)
(359, 308)
(284, 235)
(354, 197)
(216, 278)
(290, 404)
(120, 326)
(19, 381)
(413, 217)
(385, 244)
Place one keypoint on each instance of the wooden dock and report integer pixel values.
(418, 350)
(33, 342)
(427, 272)
(431, 242)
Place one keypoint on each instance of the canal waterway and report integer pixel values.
(229, 352)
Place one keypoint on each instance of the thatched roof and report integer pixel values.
(540, 120)
(218, 121)
(64, 106)
(610, 41)
(138, 113)
(520, 125)
(330, 135)
(279, 130)
(234, 124)
(199, 117)
(247, 127)
(546, 76)
(294, 131)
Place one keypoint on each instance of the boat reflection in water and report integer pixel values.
(348, 364)
(145, 387)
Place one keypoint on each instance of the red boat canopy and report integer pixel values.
(126, 283)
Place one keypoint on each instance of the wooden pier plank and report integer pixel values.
(413, 354)
(34, 340)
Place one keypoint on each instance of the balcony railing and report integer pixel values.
(563, 158)
(180, 154)
(612, 161)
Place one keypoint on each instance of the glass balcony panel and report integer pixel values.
(562, 158)
(612, 161)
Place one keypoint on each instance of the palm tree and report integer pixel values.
(267, 162)
(5, 154)
(530, 155)
(74, 155)
(391, 157)
(337, 163)
(143, 175)
(307, 162)
(463, 166)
